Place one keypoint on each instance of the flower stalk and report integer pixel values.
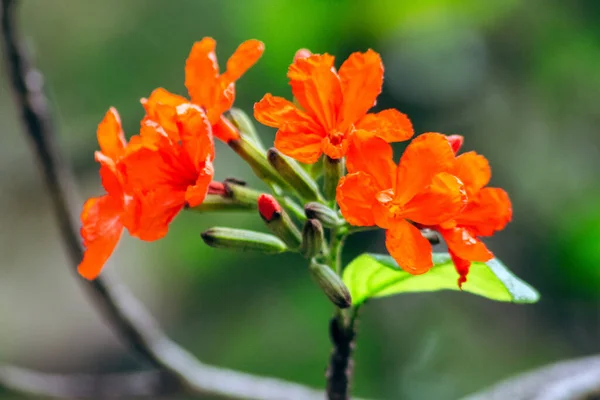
(333, 170)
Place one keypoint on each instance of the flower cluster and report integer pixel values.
(168, 165)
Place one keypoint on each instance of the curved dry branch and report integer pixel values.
(577, 379)
(126, 314)
(87, 386)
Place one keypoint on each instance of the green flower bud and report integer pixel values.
(278, 221)
(324, 214)
(242, 121)
(257, 160)
(240, 239)
(331, 284)
(294, 174)
(312, 238)
(333, 170)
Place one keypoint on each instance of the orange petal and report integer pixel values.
(374, 156)
(390, 125)
(409, 248)
(195, 195)
(202, 72)
(161, 108)
(487, 212)
(196, 134)
(426, 156)
(110, 135)
(316, 86)
(441, 201)
(223, 99)
(225, 130)
(148, 169)
(465, 245)
(474, 170)
(153, 211)
(303, 147)
(245, 56)
(355, 196)
(277, 112)
(111, 181)
(361, 77)
(101, 230)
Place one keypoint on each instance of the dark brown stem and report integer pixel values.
(341, 365)
(126, 314)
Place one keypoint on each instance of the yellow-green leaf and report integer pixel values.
(374, 275)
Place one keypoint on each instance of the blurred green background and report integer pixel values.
(518, 78)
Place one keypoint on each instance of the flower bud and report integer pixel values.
(312, 238)
(331, 284)
(257, 160)
(456, 142)
(244, 124)
(294, 174)
(323, 214)
(333, 170)
(302, 53)
(228, 196)
(278, 221)
(240, 239)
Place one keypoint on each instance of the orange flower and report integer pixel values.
(171, 169)
(212, 91)
(488, 210)
(102, 217)
(148, 181)
(333, 106)
(419, 190)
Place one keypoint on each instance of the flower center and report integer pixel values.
(336, 137)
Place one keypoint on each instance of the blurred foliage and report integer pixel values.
(517, 78)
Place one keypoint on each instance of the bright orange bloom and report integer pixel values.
(102, 217)
(148, 181)
(173, 168)
(333, 105)
(488, 210)
(419, 190)
(207, 88)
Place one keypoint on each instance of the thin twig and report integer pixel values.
(80, 386)
(126, 314)
(577, 379)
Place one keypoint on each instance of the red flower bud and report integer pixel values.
(302, 53)
(217, 188)
(268, 207)
(456, 142)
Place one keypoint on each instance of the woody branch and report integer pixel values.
(127, 316)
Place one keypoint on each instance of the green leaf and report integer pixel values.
(374, 275)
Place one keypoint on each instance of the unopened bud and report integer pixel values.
(312, 238)
(243, 240)
(257, 160)
(278, 221)
(302, 53)
(333, 170)
(324, 214)
(294, 174)
(331, 284)
(456, 142)
(244, 124)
